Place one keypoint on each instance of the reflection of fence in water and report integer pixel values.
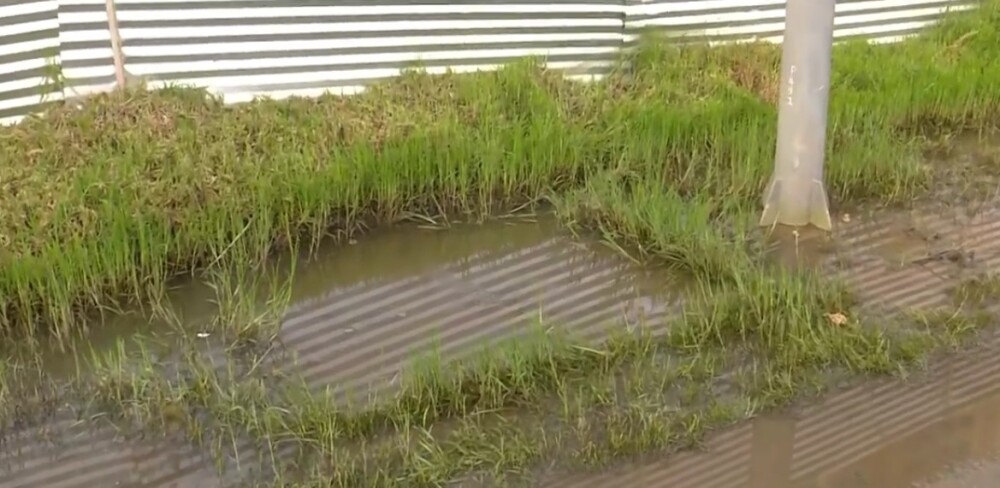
(63, 451)
(363, 331)
(850, 434)
(860, 422)
(360, 335)
(83, 457)
(251, 47)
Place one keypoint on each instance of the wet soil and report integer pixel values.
(938, 431)
(361, 310)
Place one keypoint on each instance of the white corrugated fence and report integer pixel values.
(244, 48)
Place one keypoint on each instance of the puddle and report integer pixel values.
(189, 299)
(898, 260)
(914, 259)
(453, 297)
(885, 435)
(75, 456)
(360, 311)
(799, 247)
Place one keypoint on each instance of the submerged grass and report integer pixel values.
(104, 201)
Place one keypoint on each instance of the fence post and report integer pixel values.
(116, 42)
(796, 194)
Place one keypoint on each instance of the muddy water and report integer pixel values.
(359, 312)
(364, 311)
(885, 435)
(941, 432)
(72, 455)
(899, 260)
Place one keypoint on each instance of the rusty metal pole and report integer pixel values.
(796, 194)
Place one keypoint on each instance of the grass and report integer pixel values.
(979, 290)
(665, 159)
(134, 187)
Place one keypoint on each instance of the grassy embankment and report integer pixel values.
(110, 200)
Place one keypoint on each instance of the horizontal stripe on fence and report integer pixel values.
(29, 57)
(244, 48)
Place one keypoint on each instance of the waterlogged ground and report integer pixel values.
(941, 429)
(361, 311)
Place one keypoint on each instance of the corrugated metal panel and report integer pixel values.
(244, 48)
(29, 48)
(247, 47)
(763, 20)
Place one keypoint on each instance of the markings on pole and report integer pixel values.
(791, 84)
(800, 148)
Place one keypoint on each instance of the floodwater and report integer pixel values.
(940, 431)
(367, 309)
(361, 310)
(886, 435)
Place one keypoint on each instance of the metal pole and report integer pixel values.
(796, 195)
(116, 42)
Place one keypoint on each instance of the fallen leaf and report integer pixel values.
(837, 318)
